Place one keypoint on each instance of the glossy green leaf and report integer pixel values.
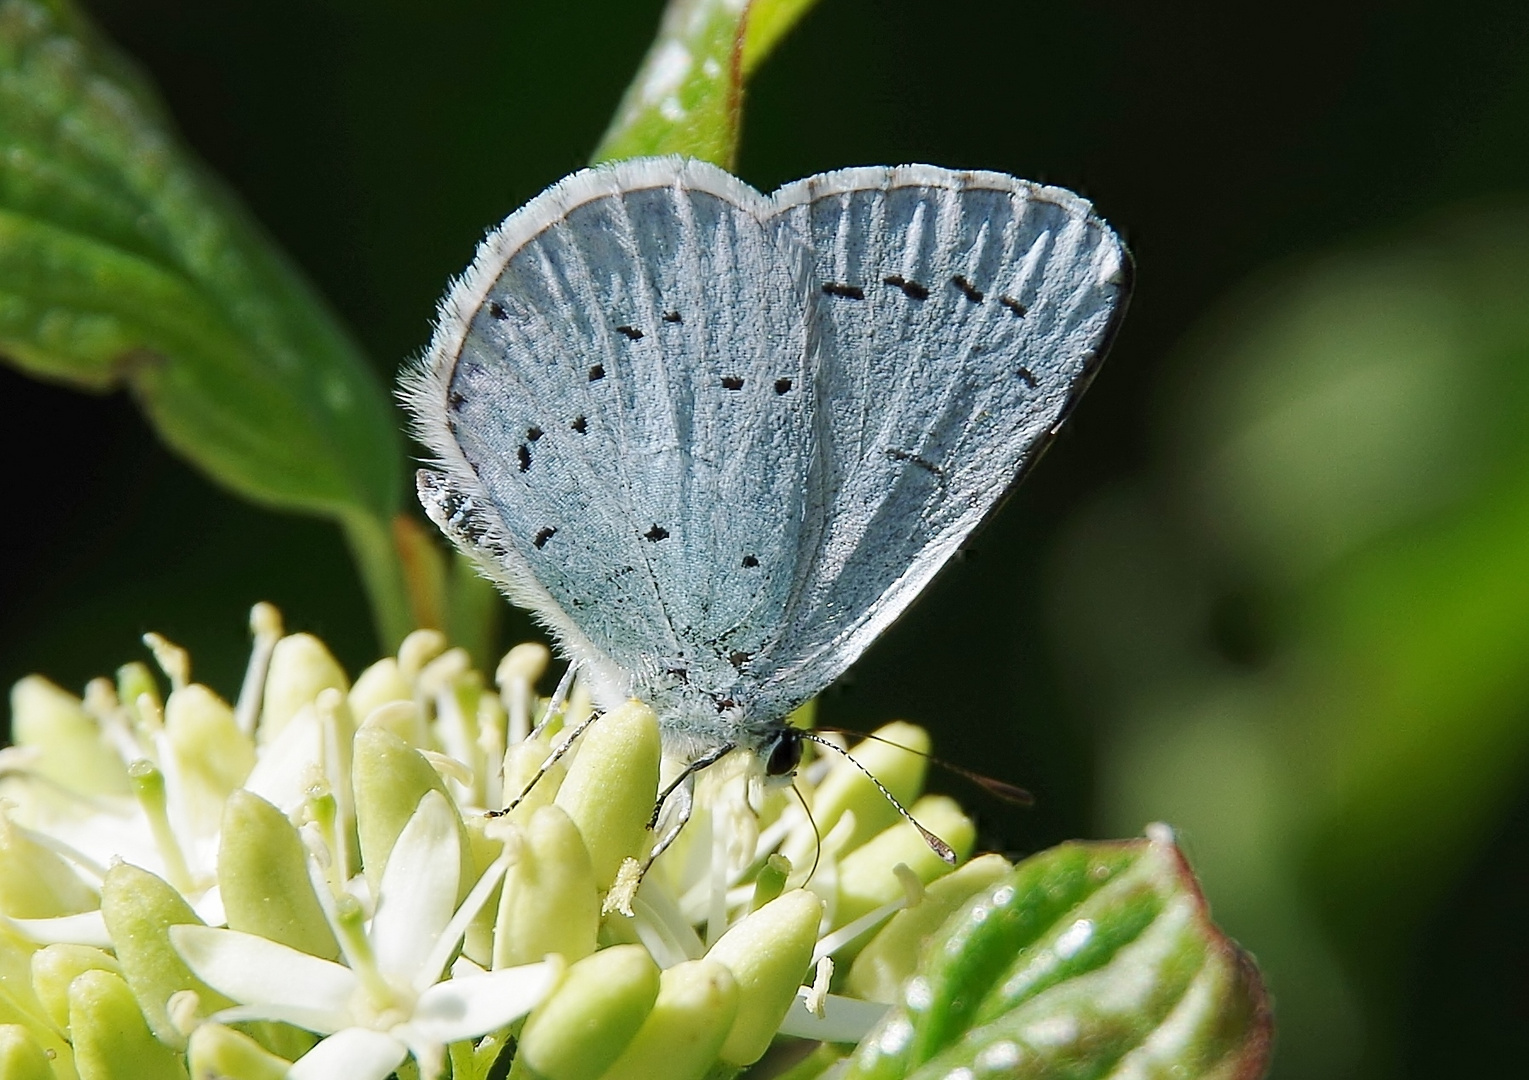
(1089, 960)
(124, 265)
(688, 96)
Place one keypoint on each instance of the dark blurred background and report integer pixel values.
(1271, 586)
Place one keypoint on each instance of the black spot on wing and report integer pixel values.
(782, 386)
(533, 433)
(1019, 310)
(1027, 377)
(596, 372)
(672, 316)
(523, 455)
(455, 400)
(844, 292)
(580, 424)
(914, 459)
(496, 309)
(631, 333)
(750, 562)
(968, 290)
(543, 534)
(911, 289)
(738, 658)
(732, 382)
(656, 533)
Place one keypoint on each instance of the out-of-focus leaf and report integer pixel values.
(688, 96)
(123, 264)
(1089, 959)
(1312, 655)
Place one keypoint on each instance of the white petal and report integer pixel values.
(209, 907)
(475, 1005)
(255, 971)
(320, 1021)
(86, 928)
(844, 1020)
(285, 769)
(418, 890)
(430, 968)
(355, 1053)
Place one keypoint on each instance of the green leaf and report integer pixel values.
(123, 264)
(1088, 960)
(688, 96)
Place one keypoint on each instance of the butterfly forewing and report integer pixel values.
(632, 400)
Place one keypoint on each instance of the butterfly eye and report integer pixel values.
(785, 755)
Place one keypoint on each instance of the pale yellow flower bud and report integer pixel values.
(611, 787)
(590, 1018)
(301, 666)
(768, 952)
(549, 902)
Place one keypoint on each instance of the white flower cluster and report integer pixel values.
(306, 884)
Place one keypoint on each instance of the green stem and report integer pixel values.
(382, 575)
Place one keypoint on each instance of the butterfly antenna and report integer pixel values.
(817, 847)
(552, 759)
(936, 845)
(1000, 789)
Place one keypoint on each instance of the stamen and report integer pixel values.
(266, 627)
(816, 998)
(149, 788)
(173, 660)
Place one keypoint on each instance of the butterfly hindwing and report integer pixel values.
(959, 316)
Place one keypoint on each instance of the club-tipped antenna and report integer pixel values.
(936, 845)
(999, 789)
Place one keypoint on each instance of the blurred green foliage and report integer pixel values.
(1304, 630)
(123, 265)
(1271, 584)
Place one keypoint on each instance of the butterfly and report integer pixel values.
(716, 441)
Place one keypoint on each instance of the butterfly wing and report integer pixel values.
(959, 315)
(618, 401)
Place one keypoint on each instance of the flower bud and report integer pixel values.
(263, 878)
(590, 1018)
(139, 909)
(611, 787)
(54, 967)
(866, 880)
(71, 749)
(768, 952)
(390, 778)
(109, 1035)
(214, 757)
(21, 1056)
(548, 903)
(697, 1003)
(301, 666)
(221, 1053)
(378, 685)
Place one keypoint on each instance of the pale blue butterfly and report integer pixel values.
(716, 441)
